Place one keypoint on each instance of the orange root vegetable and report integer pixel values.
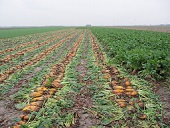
(129, 90)
(127, 83)
(143, 116)
(26, 117)
(132, 103)
(29, 108)
(122, 104)
(134, 93)
(22, 116)
(37, 103)
(118, 91)
(17, 126)
(21, 122)
(118, 87)
(36, 94)
(38, 99)
(41, 89)
(56, 84)
(120, 100)
(129, 87)
(107, 76)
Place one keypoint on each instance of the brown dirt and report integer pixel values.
(149, 28)
(8, 113)
(83, 102)
(164, 97)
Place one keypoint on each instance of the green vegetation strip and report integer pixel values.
(13, 32)
(153, 108)
(140, 52)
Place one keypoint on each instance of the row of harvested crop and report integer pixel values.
(22, 52)
(50, 85)
(33, 39)
(33, 60)
(13, 49)
(122, 88)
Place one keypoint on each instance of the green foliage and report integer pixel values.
(13, 32)
(144, 51)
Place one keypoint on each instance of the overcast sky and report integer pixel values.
(82, 12)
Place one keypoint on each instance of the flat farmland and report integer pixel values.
(148, 28)
(84, 78)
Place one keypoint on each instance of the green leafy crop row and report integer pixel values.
(142, 52)
(14, 32)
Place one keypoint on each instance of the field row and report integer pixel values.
(70, 83)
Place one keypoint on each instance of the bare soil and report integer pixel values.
(8, 113)
(164, 97)
(149, 28)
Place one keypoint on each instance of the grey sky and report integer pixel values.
(82, 12)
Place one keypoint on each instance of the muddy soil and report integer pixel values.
(164, 97)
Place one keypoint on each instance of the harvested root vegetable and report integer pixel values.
(22, 116)
(107, 76)
(21, 122)
(122, 104)
(120, 100)
(129, 90)
(29, 108)
(41, 89)
(134, 93)
(127, 83)
(37, 103)
(26, 117)
(52, 91)
(38, 99)
(129, 87)
(17, 126)
(118, 91)
(143, 116)
(36, 94)
(119, 87)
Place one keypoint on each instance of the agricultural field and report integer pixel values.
(163, 28)
(84, 78)
(13, 32)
